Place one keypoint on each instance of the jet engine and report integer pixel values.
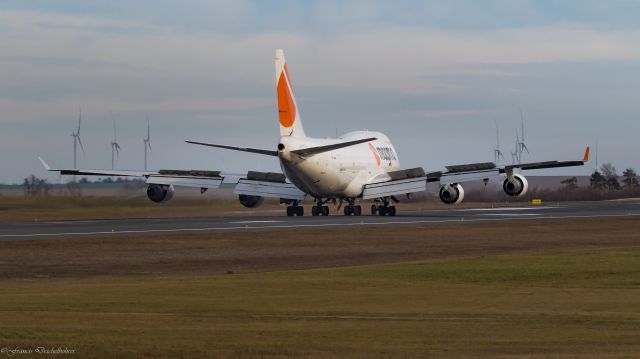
(451, 193)
(517, 187)
(250, 201)
(159, 193)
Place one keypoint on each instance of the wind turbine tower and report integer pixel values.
(521, 146)
(147, 144)
(115, 147)
(496, 151)
(515, 156)
(77, 141)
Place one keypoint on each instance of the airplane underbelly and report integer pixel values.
(315, 180)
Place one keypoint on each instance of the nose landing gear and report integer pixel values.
(319, 209)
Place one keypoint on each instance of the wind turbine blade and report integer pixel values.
(115, 133)
(79, 119)
(81, 146)
(524, 147)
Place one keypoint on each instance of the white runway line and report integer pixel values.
(352, 224)
(509, 214)
(265, 221)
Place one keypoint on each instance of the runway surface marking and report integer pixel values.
(350, 224)
(510, 214)
(264, 221)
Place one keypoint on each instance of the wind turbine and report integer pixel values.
(515, 156)
(76, 140)
(521, 145)
(115, 147)
(147, 144)
(496, 151)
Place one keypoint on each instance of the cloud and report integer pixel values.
(217, 83)
(56, 57)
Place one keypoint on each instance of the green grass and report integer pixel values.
(569, 304)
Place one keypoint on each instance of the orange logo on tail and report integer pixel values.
(375, 154)
(286, 106)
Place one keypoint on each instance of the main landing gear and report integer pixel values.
(383, 209)
(319, 209)
(352, 209)
(295, 210)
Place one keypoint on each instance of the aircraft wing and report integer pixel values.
(415, 179)
(264, 184)
(198, 179)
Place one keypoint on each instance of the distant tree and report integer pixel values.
(608, 170)
(34, 186)
(570, 183)
(610, 175)
(83, 180)
(598, 181)
(630, 179)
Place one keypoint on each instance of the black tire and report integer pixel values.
(348, 210)
(357, 210)
(314, 211)
(392, 211)
(289, 211)
(325, 210)
(299, 211)
(382, 211)
(374, 209)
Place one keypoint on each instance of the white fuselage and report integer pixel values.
(342, 172)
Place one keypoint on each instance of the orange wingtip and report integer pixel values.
(586, 155)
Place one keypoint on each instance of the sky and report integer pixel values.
(437, 77)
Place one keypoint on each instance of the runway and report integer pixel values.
(453, 216)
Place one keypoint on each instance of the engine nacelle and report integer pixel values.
(250, 201)
(451, 193)
(516, 187)
(159, 193)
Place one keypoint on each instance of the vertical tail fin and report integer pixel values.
(290, 124)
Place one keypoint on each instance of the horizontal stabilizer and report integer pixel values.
(305, 152)
(233, 148)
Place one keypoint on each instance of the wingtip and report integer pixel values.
(586, 155)
(46, 166)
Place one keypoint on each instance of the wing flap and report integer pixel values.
(268, 189)
(393, 188)
(185, 181)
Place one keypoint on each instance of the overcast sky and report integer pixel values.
(434, 76)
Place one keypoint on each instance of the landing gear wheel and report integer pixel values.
(314, 211)
(357, 210)
(382, 211)
(348, 210)
(374, 209)
(290, 211)
(325, 210)
(391, 210)
(299, 211)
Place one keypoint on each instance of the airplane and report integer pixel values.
(360, 165)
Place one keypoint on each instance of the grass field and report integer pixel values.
(561, 304)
